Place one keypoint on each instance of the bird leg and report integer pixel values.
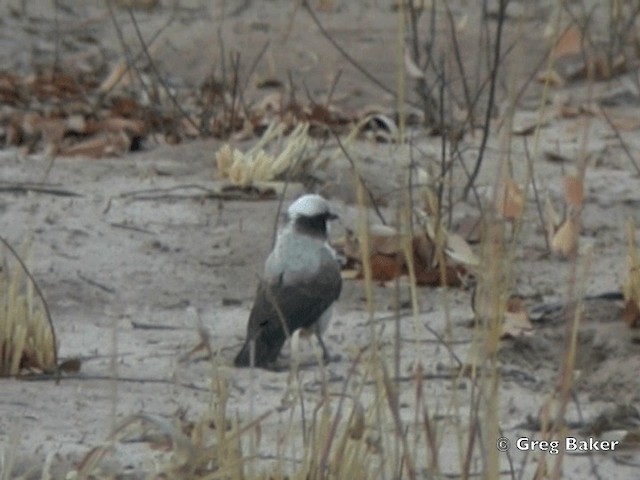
(326, 358)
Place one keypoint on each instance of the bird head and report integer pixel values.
(309, 215)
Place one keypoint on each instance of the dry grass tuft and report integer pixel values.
(27, 340)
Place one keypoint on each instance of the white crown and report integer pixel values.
(308, 206)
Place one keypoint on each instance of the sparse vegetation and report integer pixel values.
(27, 339)
(376, 417)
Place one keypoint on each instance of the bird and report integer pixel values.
(300, 284)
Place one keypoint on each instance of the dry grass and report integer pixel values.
(27, 341)
(359, 432)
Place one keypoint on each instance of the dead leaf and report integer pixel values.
(460, 251)
(565, 240)
(516, 324)
(551, 219)
(413, 71)
(573, 191)
(632, 313)
(112, 144)
(509, 199)
(568, 43)
(117, 75)
(385, 267)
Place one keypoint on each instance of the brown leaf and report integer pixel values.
(632, 313)
(568, 43)
(573, 191)
(385, 267)
(509, 199)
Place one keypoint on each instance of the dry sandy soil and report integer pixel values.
(124, 273)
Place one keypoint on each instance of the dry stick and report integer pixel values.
(334, 427)
(394, 407)
(56, 29)
(35, 187)
(45, 305)
(140, 54)
(125, 48)
(536, 195)
(460, 64)
(159, 77)
(234, 60)
(581, 419)
(252, 69)
(492, 89)
(360, 179)
(333, 86)
(443, 158)
(429, 105)
(623, 144)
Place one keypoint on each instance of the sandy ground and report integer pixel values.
(127, 275)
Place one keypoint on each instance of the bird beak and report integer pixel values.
(332, 216)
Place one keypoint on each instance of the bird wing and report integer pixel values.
(299, 304)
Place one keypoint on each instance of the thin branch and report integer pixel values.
(623, 144)
(159, 77)
(362, 182)
(492, 90)
(348, 57)
(536, 194)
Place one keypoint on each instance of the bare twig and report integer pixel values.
(157, 73)
(536, 194)
(623, 144)
(357, 173)
(348, 57)
(38, 188)
(492, 88)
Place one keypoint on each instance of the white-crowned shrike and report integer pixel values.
(301, 282)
